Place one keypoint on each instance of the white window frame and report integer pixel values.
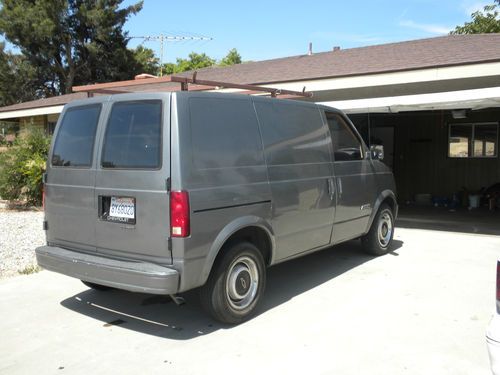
(473, 125)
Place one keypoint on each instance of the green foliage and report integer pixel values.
(485, 21)
(232, 58)
(198, 61)
(194, 62)
(146, 60)
(22, 167)
(169, 68)
(18, 79)
(71, 41)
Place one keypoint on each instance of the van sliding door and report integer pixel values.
(297, 150)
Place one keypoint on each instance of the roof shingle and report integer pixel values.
(416, 54)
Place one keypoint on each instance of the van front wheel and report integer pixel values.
(235, 285)
(378, 240)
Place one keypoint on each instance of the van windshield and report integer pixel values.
(133, 136)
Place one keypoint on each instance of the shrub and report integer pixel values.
(22, 167)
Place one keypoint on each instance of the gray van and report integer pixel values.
(165, 192)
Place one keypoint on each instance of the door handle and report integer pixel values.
(331, 188)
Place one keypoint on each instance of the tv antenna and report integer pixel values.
(162, 38)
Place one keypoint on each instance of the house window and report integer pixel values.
(478, 140)
(51, 125)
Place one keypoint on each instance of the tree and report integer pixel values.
(169, 68)
(201, 60)
(18, 79)
(75, 41)
(195, 61)
(146, 60)
(232, 58)
(485, 21)
(5, 78)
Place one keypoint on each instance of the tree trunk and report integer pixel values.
(70, 78)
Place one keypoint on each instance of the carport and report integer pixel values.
(442, 146)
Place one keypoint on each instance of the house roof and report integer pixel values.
(450, 50)
(443, 51)
(47, 102)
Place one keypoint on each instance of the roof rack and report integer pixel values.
(185, 82)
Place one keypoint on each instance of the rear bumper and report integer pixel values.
(127, 275)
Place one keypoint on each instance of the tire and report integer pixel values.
(98, 287)
(235, 285)
(379, 239)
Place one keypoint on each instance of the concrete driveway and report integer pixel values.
(422, 309)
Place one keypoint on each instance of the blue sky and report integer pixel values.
(269, 29)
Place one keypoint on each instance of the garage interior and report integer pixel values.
(445, 163)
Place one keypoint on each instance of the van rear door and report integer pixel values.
(69, 188)
(131, 180)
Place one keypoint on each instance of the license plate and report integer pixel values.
(122, 209)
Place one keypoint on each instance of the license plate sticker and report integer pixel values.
(122, 209)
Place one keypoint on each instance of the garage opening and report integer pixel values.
(446, 165)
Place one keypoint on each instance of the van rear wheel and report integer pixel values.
(235, 285)
(99, 287)
(379, 239)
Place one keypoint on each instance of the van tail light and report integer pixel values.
(498, 281)
(179, 214)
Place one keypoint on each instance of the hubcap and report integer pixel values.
(385, 228)
(242, 283)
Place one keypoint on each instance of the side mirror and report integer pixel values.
(377, 152)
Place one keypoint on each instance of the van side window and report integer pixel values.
(346, 146)
(75, 138)
(224, 133)
(292, 133)
(133, 136)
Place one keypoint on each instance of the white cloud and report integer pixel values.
(429, 28)
(470, 7)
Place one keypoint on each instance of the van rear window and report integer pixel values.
(133, 136)
(75, 138)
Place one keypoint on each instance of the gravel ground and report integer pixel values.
(20, 233)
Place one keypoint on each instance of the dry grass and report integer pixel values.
(17, 206)
(28, 270)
